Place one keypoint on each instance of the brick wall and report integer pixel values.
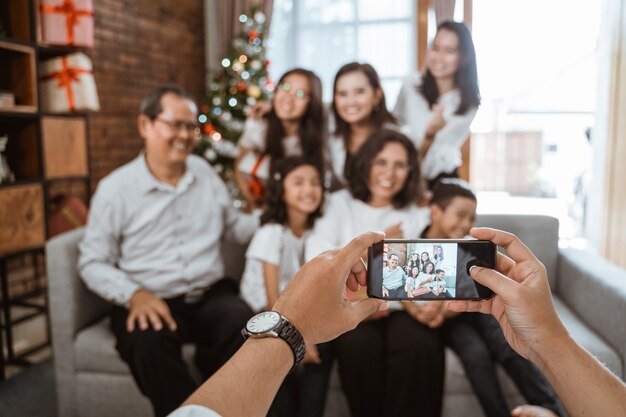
(139, 45)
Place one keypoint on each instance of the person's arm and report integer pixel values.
(239, 227)
(271, 279)
(99, 254)
(436, 124)
(99, 251)
(523, 306)
(241, 180)
(252, 140)
(314, 302)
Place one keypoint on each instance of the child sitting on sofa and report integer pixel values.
(477, 338)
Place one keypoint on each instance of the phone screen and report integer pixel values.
(428, 269)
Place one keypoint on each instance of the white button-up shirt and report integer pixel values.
(145, 234)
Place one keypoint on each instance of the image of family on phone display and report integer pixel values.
(419, 270)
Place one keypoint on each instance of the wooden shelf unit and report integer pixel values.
(48, 153)
(18, 74)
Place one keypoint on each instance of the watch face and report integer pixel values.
(263, 322)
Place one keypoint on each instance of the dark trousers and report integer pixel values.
(154, 357)
(479, 342)
(392, 366)
(399, 292)
(303, 393)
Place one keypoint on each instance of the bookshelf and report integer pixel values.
(46, 152)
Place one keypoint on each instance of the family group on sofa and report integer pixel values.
(153, 239)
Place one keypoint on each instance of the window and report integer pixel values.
(322, 35)
(530, 151)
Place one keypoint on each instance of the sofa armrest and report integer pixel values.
(72, 307)
(595, 289)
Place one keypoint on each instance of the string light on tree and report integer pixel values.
(241, 80)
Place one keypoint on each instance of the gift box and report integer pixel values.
(68, 213)
(67, 22)
(256, 170)
(7, 99)
(67, 84)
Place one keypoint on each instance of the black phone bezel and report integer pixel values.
(376, 249)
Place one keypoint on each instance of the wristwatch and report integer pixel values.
(274, 324)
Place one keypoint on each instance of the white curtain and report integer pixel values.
(444, 10)
(606, 216)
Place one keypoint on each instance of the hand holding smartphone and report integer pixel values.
(428, 269)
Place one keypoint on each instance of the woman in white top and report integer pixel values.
(439, 105)
(294, 201)
(379, 361)
(358, 110)
(292, 126)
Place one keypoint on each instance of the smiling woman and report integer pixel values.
(359, 109)
(439, 105)
(383, 187)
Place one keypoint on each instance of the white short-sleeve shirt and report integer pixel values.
(194, 411)
(346, 217)
(277, 245)
(253, 137)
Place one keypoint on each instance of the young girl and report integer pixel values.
(292, 126)
(439, 105)
(414, 262)
(415, 286)
(379, 361)
(359, 109)
(276, 253)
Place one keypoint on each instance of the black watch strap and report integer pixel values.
(292, 336)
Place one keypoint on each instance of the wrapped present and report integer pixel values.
(256, 170)
(67, 84)
(67, 22)
(67, 213)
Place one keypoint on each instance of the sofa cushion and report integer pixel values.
(588, 339)
(95, 351)
(456, 381)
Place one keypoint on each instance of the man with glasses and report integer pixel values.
(152, 249)
(393, 279)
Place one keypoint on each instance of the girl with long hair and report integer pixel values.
(293, 203)
(292, 126)
(440, 104)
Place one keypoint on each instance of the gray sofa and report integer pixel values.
(91, 380)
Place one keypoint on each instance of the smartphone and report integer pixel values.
(428, 269)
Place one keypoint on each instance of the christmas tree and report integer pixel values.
(238, 85)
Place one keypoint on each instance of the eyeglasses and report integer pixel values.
(177, 125)
(299, 93)
(383, 164)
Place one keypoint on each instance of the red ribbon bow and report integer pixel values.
(65, 78)
(257, 189)
(72, 14)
